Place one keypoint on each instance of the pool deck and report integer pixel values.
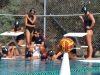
(97, 56)
(94, 58)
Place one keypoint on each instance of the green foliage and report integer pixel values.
(13, 6)
(6, 20)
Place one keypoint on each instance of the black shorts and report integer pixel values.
(20, 37)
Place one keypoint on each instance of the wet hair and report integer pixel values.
(84, 9)
(32, 9)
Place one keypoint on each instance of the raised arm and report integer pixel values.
(32, 21)
(26, 21)
(21, 29)
(81, 19)
(57, 55)
(12, 30)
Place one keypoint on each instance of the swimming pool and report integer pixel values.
(38, 67)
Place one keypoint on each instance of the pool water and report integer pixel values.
(38, 67)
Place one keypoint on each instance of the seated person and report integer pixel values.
(37, 45)
(20, 40)
(59, 54)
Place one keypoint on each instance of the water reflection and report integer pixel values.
(84, 68)
(28, 66)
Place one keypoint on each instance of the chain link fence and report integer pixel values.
(67, 19)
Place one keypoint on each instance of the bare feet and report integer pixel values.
(89, 58)
(8, 57)
(14, 57)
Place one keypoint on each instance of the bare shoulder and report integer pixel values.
(90, 14)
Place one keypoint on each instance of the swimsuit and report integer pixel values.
(87, 22)
(30, 28)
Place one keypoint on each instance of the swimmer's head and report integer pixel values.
(16, 24)
(32, 11)
(84, 9)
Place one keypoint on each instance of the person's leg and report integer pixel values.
(28, 37)
(42, 49)
(31, 35)
(86, 44)
(36, 53)
(27, 40)
(9, 50)
(11, 53)
(10, 46)
(15, 52)
(89, 43)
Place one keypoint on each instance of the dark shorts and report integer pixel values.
(20, 37)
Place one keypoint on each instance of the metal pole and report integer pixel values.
(44, 18)
(17, 46)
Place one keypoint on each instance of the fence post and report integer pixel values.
(44, 18)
